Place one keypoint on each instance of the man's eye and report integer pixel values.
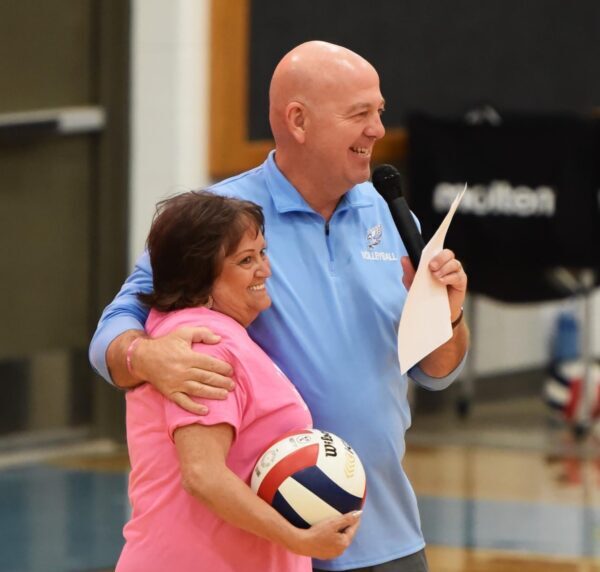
(381, 111)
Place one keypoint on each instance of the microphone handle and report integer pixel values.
(407, 227)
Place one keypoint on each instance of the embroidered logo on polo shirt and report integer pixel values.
(374, 236)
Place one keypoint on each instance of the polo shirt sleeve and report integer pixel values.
(124, 313)
(436, 383)
(229, 410)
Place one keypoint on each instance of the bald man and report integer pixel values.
(336, 306)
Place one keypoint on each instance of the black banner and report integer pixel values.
(532, 203)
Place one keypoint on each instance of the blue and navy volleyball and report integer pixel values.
(309, 476)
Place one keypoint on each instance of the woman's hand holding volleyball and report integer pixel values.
(326, 539)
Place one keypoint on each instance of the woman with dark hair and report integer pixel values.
(192, 507)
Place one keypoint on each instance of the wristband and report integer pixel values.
(457, 321)
(129, 354)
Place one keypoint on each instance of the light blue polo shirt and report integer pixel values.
(332, 328)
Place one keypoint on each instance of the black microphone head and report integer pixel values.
(388, 182)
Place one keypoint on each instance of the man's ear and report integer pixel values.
(296, 120)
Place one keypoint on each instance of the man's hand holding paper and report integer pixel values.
(436, 293)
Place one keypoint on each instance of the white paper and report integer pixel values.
(425, 321)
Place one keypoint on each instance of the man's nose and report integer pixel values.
(375, 128)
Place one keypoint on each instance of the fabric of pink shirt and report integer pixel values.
(170, 530)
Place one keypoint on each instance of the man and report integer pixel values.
(332, 326)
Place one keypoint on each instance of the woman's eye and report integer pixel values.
(246, 260)
(263, 252)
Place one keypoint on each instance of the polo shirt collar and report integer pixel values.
(287, 199)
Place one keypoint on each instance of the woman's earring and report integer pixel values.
(209, 302)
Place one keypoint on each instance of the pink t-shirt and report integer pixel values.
(169, 530)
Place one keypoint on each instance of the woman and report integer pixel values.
(192, 507)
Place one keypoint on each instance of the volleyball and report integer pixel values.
(563, 390)
(309, 476)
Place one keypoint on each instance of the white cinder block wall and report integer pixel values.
(170, 75)
(169, 132)
(512, 337)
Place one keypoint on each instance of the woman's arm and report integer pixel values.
(202, 452)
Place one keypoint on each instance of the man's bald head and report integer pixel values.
(325, 117)
(308, 73)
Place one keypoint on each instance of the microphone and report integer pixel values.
(388, 183)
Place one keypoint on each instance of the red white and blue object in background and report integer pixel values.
(563, 390)
(309, 476)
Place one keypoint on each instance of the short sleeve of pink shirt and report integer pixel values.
(228, 410)
(264, 401)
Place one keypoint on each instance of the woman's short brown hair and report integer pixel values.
(190, 236)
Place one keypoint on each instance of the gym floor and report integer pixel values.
(502, 491)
